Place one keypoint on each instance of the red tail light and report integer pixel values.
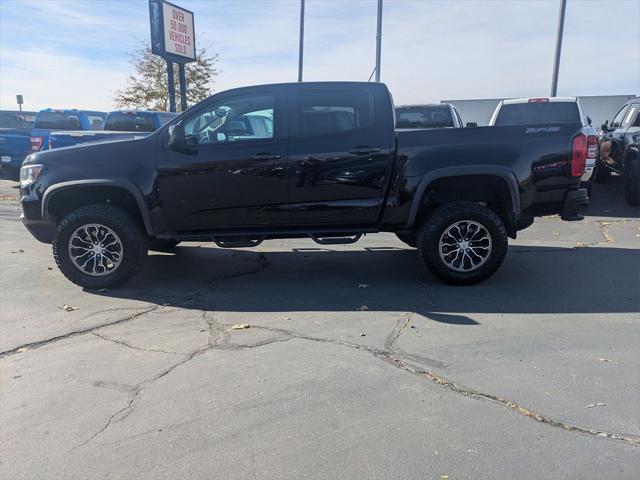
(579, 155)
(592, 147)
(538, 100)
(37, 143)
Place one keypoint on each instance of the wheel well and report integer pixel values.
(69, 199)
(489, 190)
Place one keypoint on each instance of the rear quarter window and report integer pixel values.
(538, 113)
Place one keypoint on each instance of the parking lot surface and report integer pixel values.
(355, 363)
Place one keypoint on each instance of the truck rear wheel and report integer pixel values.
(462, 243)
(632, 182)
(408, 238)
(99, 246)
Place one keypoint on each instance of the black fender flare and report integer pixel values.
(111, 182)
(491, 170)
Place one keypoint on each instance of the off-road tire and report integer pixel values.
(632, 182)
(162, 245)
(133, 239)
(408, 239)
(445, 216)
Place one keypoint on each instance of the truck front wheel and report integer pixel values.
(462, 243)
(99, 246)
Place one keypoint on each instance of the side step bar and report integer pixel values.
(335, 240)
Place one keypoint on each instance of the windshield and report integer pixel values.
(129, 122)
(538, 113)
(435, 116)
(58, 121)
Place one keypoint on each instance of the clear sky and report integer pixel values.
(73, 53)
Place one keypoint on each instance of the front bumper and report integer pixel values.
(43, 231)
(574, 200)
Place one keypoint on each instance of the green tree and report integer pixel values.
(148, 88)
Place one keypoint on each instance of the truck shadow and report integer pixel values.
(607, 200)
(532, 280)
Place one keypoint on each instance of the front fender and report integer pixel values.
(123, 183)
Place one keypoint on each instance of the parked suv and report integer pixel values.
(552, 111)
(619, 150)
(428, 116)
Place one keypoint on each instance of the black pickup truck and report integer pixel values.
(319, 160)
(620, 150)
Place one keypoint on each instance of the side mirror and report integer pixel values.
(472, 124)
(176, 136)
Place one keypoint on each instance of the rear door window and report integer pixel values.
(58, 121)
(322, 112)
(538, 113)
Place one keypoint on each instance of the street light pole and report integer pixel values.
(379, 41)
(301, 48)
(556, 61)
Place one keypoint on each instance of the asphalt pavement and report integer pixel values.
(355, 364)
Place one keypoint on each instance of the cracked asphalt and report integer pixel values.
(356, 362)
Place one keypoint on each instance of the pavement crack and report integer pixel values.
(400, 325)
(395, 358)
(133, 347)
(75, 333)
(121, 413)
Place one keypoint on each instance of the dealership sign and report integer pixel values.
(172, 33)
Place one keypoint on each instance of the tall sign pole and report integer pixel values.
(173, 38)
(556, 61)
(379, 41)
(301, 47)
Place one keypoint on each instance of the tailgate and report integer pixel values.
(14, 145)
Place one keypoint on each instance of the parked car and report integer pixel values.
(49, 120)
(619, 150)
(457, 194)
(428, 116)
(15, 135)
(119, 125)
(551, 111)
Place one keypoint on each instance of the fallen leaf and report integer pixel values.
(556, 234)
(596, 405)
(69, 308)
(363, 307)
(49, 268)
(240, 326)
(606, 360)
(22, 349)
(363, 285)
(18, 251)
(362, 334)
(286, 318)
